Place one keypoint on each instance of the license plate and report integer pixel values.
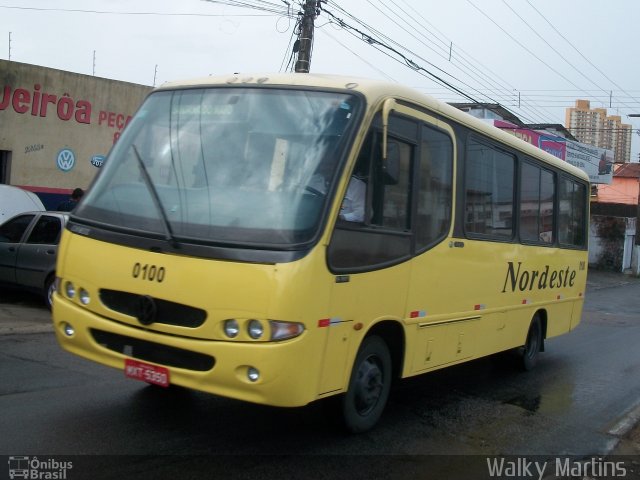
(147, 373)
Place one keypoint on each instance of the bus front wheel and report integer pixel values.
(369, 386)
(533, 345)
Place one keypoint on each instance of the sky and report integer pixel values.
(535, 57)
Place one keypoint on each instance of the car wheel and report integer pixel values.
(49, 290)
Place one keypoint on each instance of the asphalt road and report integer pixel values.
(578, 401)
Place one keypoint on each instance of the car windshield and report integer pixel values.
(244, 166)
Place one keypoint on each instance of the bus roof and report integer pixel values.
(376, 91)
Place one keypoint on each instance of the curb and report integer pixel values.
(25, 330)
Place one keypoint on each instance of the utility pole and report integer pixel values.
(305, 37)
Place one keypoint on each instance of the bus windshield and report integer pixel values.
(226, 165)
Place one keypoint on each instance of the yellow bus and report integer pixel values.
(287, 238)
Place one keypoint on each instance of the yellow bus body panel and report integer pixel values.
(289, 369)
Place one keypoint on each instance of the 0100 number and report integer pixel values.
(148, 272)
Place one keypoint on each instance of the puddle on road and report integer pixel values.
(555, 402)
(531, 404)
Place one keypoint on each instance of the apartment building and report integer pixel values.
(595, 127)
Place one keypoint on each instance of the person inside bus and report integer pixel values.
(352, 208)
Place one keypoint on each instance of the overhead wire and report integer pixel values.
(508, 98)
(374, 67)
(394, 13)
(407, 61)
(565, 59)
(470, 62)
(577, 50)
(527, 49)
(159, 14)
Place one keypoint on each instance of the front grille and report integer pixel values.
(154, 352)
(169, 313)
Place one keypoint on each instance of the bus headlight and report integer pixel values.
(255, 329)
(84, 297)
(231, 328)
(284, 330)
(70, 289)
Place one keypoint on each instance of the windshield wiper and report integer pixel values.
(156, 200)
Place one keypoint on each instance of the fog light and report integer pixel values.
(84, 297)
(68, 329)
(255, 329)
(253, 374)
(70, 290)
(231, 328)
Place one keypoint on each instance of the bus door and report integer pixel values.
(371, 245)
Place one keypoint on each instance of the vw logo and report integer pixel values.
(147, 310)
(66, 159)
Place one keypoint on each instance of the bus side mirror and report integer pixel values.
(390, 151)
(388, 105)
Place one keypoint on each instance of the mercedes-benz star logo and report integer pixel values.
(147, 311)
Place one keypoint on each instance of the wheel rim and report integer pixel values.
(50, 291)
(369, 385)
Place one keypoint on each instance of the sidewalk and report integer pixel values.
(26, 315)
(599, 279)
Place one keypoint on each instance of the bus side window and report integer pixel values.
(383, 235)
(435, 177)
(489, 187)
(537, 204)
(572, 208)
(392, 186)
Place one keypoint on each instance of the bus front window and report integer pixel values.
(228, 165)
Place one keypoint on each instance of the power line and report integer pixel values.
(576, 49)
(523, 46)
(465, 62)
(381, 72)
(408, 62)
(159, 14)
(419, 32)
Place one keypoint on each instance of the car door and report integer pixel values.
(11, 234)
(37, 254)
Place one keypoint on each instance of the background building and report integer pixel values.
(594, 127)
(57, 127)
(614, 218)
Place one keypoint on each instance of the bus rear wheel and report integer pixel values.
(369, 386)
(533, 345)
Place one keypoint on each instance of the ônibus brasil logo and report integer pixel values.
(34, 468)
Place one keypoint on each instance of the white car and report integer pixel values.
(14, 200)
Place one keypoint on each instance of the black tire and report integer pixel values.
(533, 345)
(48, 291)
(369, 386)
